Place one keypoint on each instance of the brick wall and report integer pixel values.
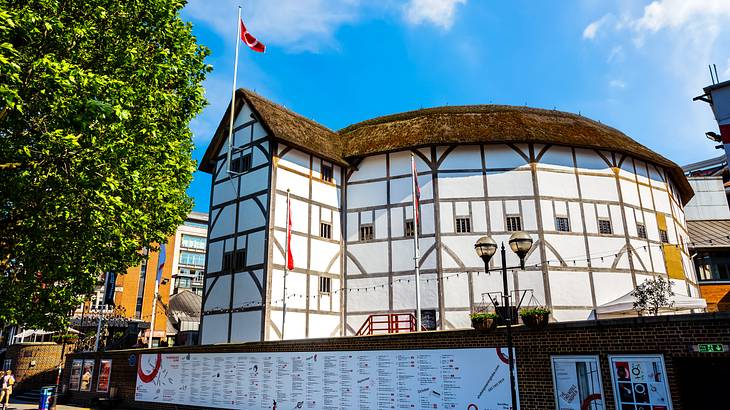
(667, 335)
(34, 364)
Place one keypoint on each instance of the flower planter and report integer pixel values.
(484, 324)
(539, 321)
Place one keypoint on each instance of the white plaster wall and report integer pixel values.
(245, 327)
(215, 329)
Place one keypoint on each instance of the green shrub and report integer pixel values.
(483, 316)
(538, 311)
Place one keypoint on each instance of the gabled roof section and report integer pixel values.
(280, 123)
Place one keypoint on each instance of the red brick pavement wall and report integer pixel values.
(667, 335)
(34, 364)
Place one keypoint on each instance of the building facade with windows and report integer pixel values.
(183, 270)
(605, 214)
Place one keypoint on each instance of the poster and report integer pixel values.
(87, 374)
(577, 383)
(640, 382)
(474, 379)
(75, 380)
(105, 372)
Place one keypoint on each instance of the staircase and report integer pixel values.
(388, 323)
(26, 397)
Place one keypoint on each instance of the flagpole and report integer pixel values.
(154, 308)
(416, 251)
(286, 260)
(99, 317)
(233, 96)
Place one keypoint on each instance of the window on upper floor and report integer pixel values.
(562, 224)
(240, 259)
(663, 236)
(514, 223)
(604, 226)
(227, 262)
(325, 230)
(408, 228)
(463, 224)
(713, 266)
(192, 258)
(327, 172)
(193, 242)
(242, 163)
(367, 232)
(641, 230)
(325, 285)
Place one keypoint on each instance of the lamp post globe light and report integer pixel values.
(485, 247)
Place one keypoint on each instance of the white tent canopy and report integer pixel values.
(625, 305)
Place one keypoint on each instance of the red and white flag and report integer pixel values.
(250, 40)
(289, 256)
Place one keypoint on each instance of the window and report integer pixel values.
(327, 173)
(193, 242)
(463, 224)
(604, 226)
(325, 230)
(227, 261)
(514, 223)
(194, 224)
(192, 258)
(240, 259)
(641, 230)
(241, 164)
(325, 285)
(713, 265)
(562, 224)
(408, 228)
(182, 282)
(366, 232)
(663, 236)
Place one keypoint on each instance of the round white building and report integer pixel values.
(605, 214)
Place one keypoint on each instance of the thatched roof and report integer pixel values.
(281, 123)
(449, 125)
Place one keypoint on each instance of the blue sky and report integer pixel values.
(634, 65)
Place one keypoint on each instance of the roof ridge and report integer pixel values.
(250, 93)
(470, 109)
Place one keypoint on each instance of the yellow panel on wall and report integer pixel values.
(661, 221)
(673, 261)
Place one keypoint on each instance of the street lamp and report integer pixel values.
(486, 247)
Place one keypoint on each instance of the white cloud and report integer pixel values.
(617, 84)
(591, 30)
(662, 14)
(297, 25)
(437, 12)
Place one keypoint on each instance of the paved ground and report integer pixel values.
(24, 406)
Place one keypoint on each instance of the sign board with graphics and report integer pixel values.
(75, 378)
(475, 379)
(105, 372)
(640, 382)
(577, 383)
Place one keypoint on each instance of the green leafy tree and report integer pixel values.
(653, 295)
(95, 150)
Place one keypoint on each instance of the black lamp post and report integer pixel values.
(486, 247)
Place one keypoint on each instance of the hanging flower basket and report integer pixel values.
(483, 321)
(536, 318)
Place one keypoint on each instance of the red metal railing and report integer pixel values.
(388, 323)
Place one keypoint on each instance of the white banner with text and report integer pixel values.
(469, 379)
